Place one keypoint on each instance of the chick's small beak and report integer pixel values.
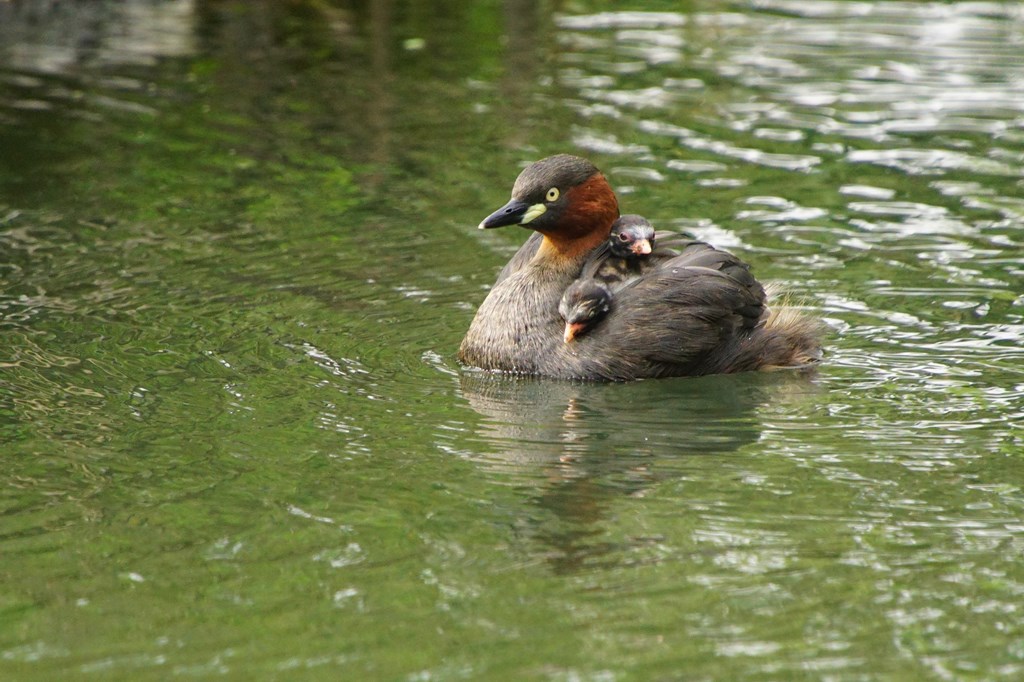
(572, 330)
(510, 214)
(641, 247)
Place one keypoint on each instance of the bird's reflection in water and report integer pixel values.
(580, 446)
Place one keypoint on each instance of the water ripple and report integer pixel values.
(606, 20)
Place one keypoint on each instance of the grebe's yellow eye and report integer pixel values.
(552, 194)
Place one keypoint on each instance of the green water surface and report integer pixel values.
(238, 252)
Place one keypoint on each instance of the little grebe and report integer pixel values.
(698, 312)
(584, 304)
(631, 236)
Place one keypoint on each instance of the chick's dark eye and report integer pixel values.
(623, 237)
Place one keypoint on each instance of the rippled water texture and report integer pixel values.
(238, 251)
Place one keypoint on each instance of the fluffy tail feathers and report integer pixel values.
(789, 338)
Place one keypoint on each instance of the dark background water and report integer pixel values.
(238, 251)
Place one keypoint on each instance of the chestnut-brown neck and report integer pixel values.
(591, 208)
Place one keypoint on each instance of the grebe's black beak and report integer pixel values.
(511, 213)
